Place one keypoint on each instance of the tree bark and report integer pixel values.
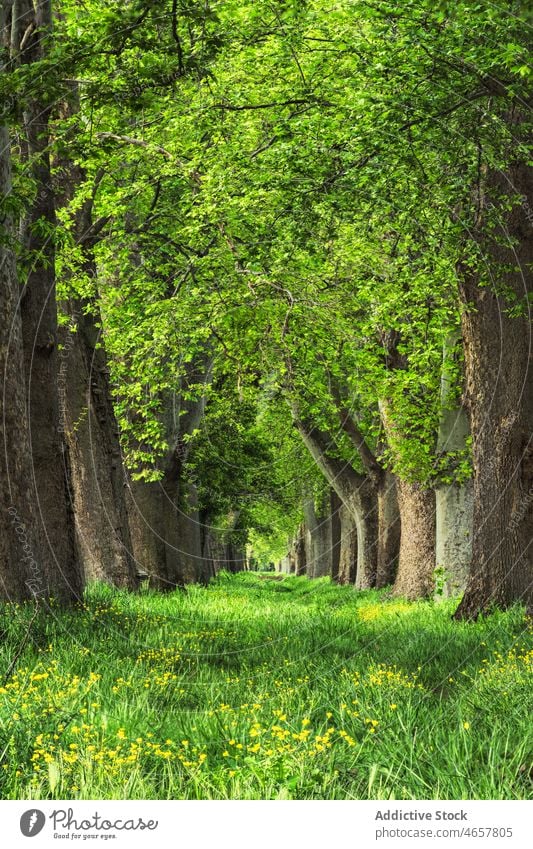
(318, 541)
(51, 466)
(499, 393)
(21, 556)
(300, 552)
(416, 561)
(348, 548)
(454, 501)
(97, 474)
(415, 577)
(336, 534)
(98, 478)
(389, 526)
(164, 523)
(364, 509)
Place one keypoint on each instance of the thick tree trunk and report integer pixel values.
(300, 552)
(212, 551)
(144, 503)
(336, 534)
(318, 541)
(415, 577)
(454, 502)
(98, 477)
(389, 531)
(97, 473)
(348, 547)
(363, 506)
(183, 538)
(163, 515)
(51, 469)
(21, 556)
(499, 390)
(285, 565)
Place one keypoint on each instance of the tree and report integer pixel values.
(61, 575)
(21, 571)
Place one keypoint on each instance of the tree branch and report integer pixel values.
(340, 475)
(138, 142)
(296, 102)
(357, 439)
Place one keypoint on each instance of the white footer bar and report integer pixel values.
(268, 825)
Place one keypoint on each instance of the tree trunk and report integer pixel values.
(454, 501)
(98, 477)
(183, 538)
(499, 392)
(318, 538)
(364, 509)
(21, 557)
(164, 525)
(51, 468)
(285, 565)
(356, 491)
(336, 534)
(144, 505)
(212, 551)
(389, 530)
(415, 577)
(300, 552)
(348, 548)
(97, 473)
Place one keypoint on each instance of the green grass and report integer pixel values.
(257, 688)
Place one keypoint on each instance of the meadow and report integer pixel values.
(264, 688)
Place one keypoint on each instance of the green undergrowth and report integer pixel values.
(260, 688)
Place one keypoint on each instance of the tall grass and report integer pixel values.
(260, 688)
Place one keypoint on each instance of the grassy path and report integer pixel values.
(253, 688)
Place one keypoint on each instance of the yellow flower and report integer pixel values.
(466, 725)
(393, 707)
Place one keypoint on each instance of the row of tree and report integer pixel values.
(292, 254)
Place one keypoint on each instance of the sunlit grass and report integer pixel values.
(253, 688)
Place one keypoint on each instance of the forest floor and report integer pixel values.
(253, 688)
